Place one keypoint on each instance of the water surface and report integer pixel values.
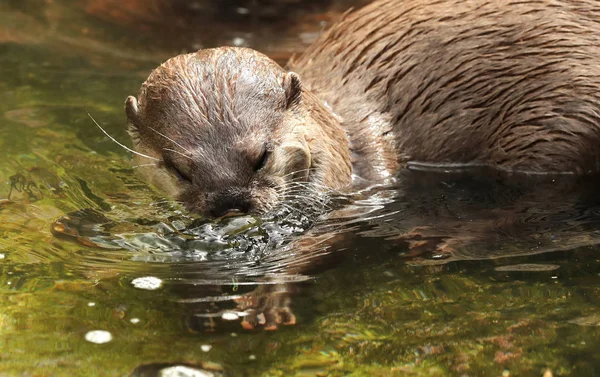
(443, 274)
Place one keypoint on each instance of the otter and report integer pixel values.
(513, 85)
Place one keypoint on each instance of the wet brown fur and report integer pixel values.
(510, 84)
(208, 116)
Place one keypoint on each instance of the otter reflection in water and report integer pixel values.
(511, 85)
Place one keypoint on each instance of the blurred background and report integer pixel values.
(135, 31)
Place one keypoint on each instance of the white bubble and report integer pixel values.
(237, 41)
(205, 347)
(2, 256)
(91, 304)
(242, 10)
(134, 320)
(149, 283)
(98, 336)
(230, 316)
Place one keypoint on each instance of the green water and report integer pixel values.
(516, 295)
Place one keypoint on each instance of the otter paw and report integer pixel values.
(268, 306)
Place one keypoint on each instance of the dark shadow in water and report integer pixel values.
(249, 269)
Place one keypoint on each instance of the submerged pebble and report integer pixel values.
(149, 283)
(98, 336)
(183, 371)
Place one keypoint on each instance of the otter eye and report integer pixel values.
(176, 172)
(262, 161)
(179, 175)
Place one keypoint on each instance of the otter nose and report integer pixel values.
(229, 201)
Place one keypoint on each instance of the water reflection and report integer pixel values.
(483, 214)
(250, 268)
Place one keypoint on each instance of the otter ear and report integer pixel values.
(293, 89)
(132, 111)
(296, 155)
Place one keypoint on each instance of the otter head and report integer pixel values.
(229, 130)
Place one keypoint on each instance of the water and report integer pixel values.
(461, 273)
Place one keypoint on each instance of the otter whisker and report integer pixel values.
(119, 144)
(171, 140)
(308, 200)
(179, 153)
(143, 165)
(303, 193)
(299, 171)
(296, 184)
(299, 193)
(306, 185)
(295, 188)
(303, 183)
(304, 188)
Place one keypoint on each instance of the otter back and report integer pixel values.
(511, 84)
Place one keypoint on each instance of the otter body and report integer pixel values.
(510, 84)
